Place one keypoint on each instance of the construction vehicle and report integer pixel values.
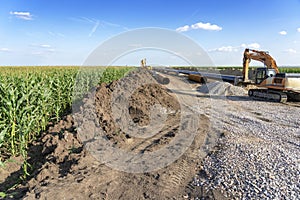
(271, 84)
(144, 64)
(158, 77)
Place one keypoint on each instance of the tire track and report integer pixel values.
(175, 178)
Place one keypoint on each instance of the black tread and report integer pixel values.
(282, 96)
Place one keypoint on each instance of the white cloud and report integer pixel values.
(42, 46)
(22, 15)
(4, 50)
(183, 28)
(251, 46)
(45, 45)
(283, 33)
(200, 25)
(206, 26)
(225, 49)
(42, 49)
(235, 48)
(292, 51)
(298, 29)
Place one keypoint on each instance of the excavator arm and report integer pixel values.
(261, 56)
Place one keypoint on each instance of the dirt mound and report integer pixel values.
(147, 96)
(222, 88)
(140, 104)
(63, 169)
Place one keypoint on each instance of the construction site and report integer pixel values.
(150, 100)
(234, 135)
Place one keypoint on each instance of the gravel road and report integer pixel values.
(259, 155)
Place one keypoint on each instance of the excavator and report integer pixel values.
(158, 77)
(271, 84)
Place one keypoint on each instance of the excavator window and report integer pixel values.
(263, 73)
(260, 75)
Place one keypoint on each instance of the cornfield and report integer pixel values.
(31, 97)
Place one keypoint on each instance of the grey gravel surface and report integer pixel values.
(259, 155)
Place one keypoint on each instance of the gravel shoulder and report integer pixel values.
(259, 157)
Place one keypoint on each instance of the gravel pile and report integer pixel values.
(259, 157)
(222, 88)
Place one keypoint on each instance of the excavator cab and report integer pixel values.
(262, 73)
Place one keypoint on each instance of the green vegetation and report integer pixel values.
(31, 97)
(289, 69)
(2, 195)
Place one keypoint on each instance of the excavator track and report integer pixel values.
(266, 94)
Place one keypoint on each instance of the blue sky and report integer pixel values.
(64, 32)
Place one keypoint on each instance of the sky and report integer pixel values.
(65, 32)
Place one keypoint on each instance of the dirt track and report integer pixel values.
(64, 170)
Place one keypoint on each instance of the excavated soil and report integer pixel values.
(139, 108)
(63, 169)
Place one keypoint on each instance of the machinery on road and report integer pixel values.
(271, 84)
(158, 77)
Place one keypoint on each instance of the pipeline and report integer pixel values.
(235, 80)
(160, 78)
(197, 78)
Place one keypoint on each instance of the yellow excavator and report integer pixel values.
(158, 77)
(271, 84)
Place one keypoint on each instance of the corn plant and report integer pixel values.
(31, 97)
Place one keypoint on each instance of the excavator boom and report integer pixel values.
(262, 56)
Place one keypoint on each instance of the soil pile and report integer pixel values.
(135, 96)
